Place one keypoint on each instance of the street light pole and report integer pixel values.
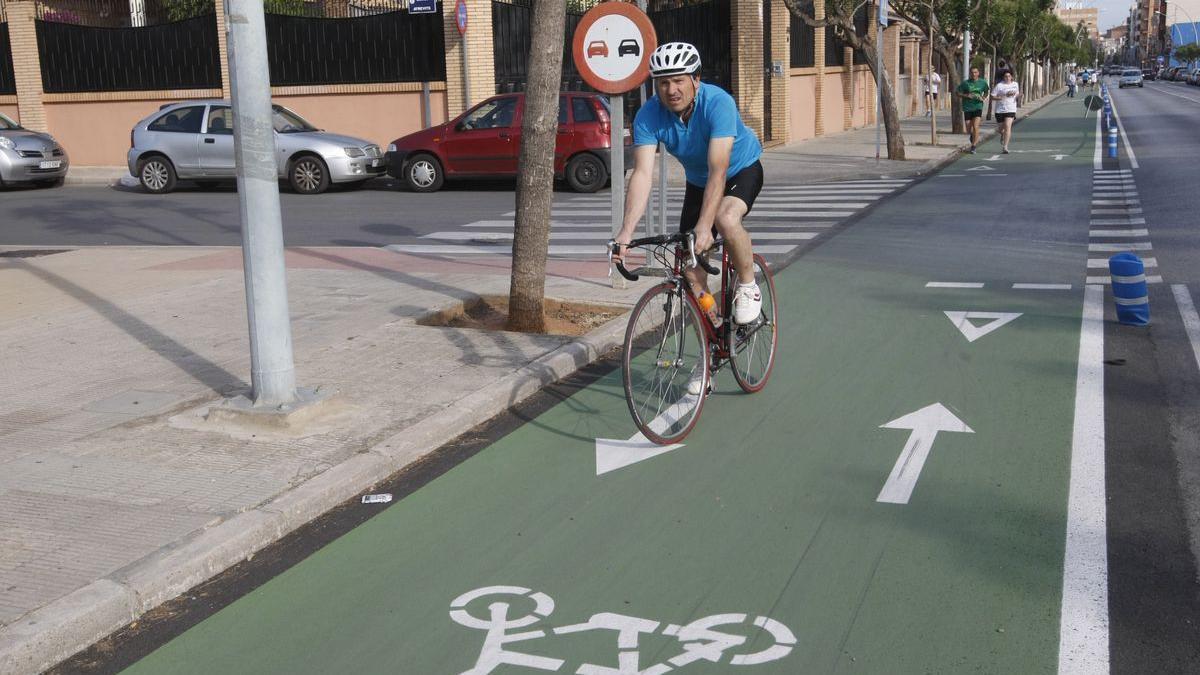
(272, 370)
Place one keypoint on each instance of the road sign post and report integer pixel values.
(460, 20)
(611, 49)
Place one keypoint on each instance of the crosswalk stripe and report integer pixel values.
(1041, 287)
(1102, 263)
(505, 250)
(1118, 221)
(1116, 248)
(1119, 233)
(1108, 280)
(600, 236)
(1114, 202)
(1115, 212)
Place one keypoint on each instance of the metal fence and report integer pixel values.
(391, 47)
(178, 55)
(804, 39)
(8, 82)
(121, 13)
(512, 39)
(704, 23)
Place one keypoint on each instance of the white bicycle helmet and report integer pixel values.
(674, 58)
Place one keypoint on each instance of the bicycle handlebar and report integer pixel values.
(687, 238)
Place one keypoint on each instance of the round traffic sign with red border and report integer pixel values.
(460, 16)
(612, 47)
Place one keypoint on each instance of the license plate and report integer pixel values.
(50, 164)
(374, 162)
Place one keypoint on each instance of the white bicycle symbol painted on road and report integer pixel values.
(699, 640)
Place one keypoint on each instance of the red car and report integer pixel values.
(485, 142)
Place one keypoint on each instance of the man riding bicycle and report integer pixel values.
(699, 125)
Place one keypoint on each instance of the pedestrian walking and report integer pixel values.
(974, 93)
(1005, 96)
(1071, 84)
(933, 83)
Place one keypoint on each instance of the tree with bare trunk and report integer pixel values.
(840, 14)
(535, 170)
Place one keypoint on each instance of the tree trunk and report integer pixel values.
(887, 98)
(956, 78)
(535, 172)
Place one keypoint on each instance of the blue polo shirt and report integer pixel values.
(715, 116)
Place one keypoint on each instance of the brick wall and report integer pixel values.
(27, 64)
(481, 68)
(747, 67)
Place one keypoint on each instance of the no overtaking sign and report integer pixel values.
(612, 47)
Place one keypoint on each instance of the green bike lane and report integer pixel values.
(762, 544)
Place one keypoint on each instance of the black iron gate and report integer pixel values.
(511, 41)
(707, 24)
(8, 82)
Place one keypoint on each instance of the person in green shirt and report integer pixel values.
(973, 92)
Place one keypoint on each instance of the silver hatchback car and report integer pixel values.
(193, 140)
(30, 156)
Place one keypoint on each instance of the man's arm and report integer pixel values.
(719, 151)
(637, 193)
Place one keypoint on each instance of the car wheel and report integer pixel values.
(309, 175)
(586, 173)
(423, 173)
(157, 174)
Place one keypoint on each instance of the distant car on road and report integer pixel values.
(1149, 74)
(193, 140)
(597, 48)
(30, 156)
(485, 142)
(1131, 77)
(630, 47)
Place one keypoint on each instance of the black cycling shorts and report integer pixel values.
(745, 185)
(972, 114)
(1000, 117)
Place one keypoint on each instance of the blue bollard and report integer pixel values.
(1112, 141)
(1129, 289)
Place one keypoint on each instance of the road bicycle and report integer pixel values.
(673, 349)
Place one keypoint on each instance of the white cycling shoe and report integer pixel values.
(747, 304)
(695, 384)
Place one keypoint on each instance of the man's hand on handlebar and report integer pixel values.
(704, 240)
(618, 250)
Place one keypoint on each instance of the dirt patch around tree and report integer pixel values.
(490, 312)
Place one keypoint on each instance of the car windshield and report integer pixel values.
(1133, 72)
(287, 122)
(7, 124)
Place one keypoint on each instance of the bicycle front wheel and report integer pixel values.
(755, 343)
(664, 365)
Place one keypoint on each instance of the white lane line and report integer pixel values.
(1117, 233)
(1131, 246)
(1115, 202)
(1191, 321)
(1124, 137)
(1115, 212)
(1102, 263)
(1083, 627)
(1123, 180)
(595, 251)
(1112, 172)
(1171, 93)
(1097, 160)
(1041, 287)
(954, 284)
(1118, 221)
(1108, 280)
(952, 175)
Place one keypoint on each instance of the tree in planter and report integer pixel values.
(840, 14)
(535, 170)
(945, 19)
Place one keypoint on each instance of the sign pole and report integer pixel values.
(616, 104)
(460, 20)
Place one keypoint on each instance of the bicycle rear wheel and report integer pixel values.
(754, 344)
(665, 355)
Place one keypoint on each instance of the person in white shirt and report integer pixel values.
(1071, 84)
(1004, 95)
(932, 82)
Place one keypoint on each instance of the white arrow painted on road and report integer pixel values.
(1058, 158)
(925, 424)
(973, 332)
(982, 167)
(613, 454)
(994, 158)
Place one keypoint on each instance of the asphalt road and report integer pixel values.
(1153, 397)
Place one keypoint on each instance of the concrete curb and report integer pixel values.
(58, 630)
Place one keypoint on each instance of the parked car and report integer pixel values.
(485, 141)
(193, 140)
(1131, 77)
(1193, 76)
(1149, 74)
(30, 156)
